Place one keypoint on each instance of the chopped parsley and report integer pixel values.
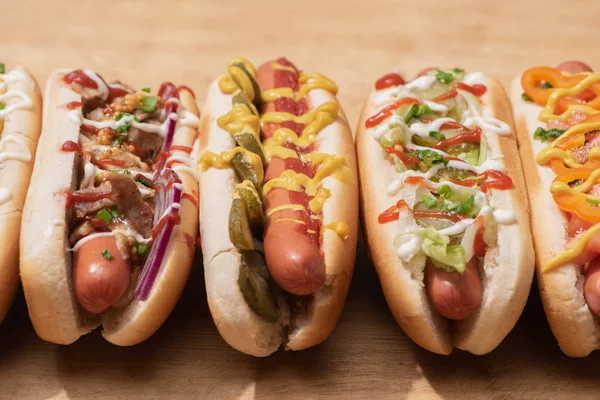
(460, 207)
(125, 127)
(429, 201)
(104, 215)
(547, 135)
(444, 77)
(148, 104)
(430, 157)
(118, 140)
(437, 135)
(526, 98)
(106, 254)
(445, 192)
(416, 111)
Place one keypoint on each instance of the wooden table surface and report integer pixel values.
(368, 356)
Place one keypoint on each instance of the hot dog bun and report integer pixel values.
(507, 270)
(573, 324)
(46, 261)
(241, 327)
(18, 137)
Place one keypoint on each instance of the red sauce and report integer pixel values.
(496, 180)
(479, 246)
(116, 92)
(414, 180)
(183, 87)
(199, 243)
(387, 111)
(79, 197)
(473, 136)
(171, 217)
(445, 96)
(392, 213)
(167, 90)
(105, 162)
(74, 104)
(98, 223)
(439, 214)
(389, 80)
(90, 130)
(184, 149)
(476, 90)
(81, 78)
(189, 240)
(412, 160)
(466, 182)
(70, 146)
(426, 71)
(161, 157)
(191, 198)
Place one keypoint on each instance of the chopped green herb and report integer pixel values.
(593, 202)
(526, 98)
(430, 157)
(445, 192)
(547, 135)
(117, 141)
(127, 172)
(2, 68)
(458, 70)
(121, 115)
(107, 254)
(2, 105)
(462, 207)
(146, 89)
(148, 104)
(104, 215)
(437, 135)
(444, 77)
(114, 212)
(143, 249)
(143, 181)
(429, 201)
(416, 111)
(546, 85)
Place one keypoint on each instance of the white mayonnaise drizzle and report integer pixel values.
(421, 83)
(102, 87)
(125, 232)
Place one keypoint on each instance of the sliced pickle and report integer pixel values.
(243, 169)
(241, 98)
(248, 141)
(241, 66)
(253, 204)
(253, 281)
(239, 228)
(437, 223)
(445, 174)
(463, 147)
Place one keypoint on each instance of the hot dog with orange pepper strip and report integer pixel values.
(278, 206)
(446, 224)
(558, 120)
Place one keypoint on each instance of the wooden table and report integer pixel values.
(368, 356)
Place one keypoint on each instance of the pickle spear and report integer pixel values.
(253, 280)
(253, 204)
(248, 141)
(241, 98)
(257, 92)
(244, 170)
(240, 233)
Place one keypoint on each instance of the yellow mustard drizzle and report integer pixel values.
(316, 203)
(309, 82)
(240, 119)
(277, 65)
(295, 207)
(341, 228)
(550, 152)
(568, 255)
(223, 160)
(296, 221)
(236, 79)
(547, 112)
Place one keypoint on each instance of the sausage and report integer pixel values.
(591, 288)
(453, 295)
(99, 282)
(574, 67)
(292, 257)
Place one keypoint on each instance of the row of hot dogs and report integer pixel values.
(102, 217)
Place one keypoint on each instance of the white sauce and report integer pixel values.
(437, 107)
(102, 87)
(23, 154)
(421, 83)
(125, 232)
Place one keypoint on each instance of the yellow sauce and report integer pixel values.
(567, 157)
(547, 112)
(296, 221)
(237, 79)
(573, 252)
(240, 119)
(341, 228)
(223, 160)
(317, 202)
(295, 207)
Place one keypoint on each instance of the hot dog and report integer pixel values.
(278, 206)
(556, 110)
(20, 125)
(111, 208)
(443, 213)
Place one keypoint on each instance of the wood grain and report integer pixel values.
(368, 356)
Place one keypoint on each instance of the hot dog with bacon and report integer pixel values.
(278, 206)
(558, 118)
(110, 219)
(443, 207)
(20, 125)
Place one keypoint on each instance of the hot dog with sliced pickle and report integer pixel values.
(558, 119)
(278, 206)
(108, 233)
(443, 212)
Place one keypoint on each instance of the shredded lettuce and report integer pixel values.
(445, 256)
